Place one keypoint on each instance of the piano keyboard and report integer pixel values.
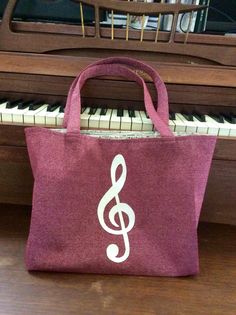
(38, 113)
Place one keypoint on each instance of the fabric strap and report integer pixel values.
(162, 106)
(74, 97)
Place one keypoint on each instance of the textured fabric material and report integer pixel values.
(150, 199)
(136, 65)
(73, 123)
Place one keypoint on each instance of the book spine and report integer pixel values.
(166, 20)
(201, 18)
(183, 19)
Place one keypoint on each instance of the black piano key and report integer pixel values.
(92, 111)
(146, 115)
(172, 116)
(221, 118)
(131, 113)
(226, 117)
(187, 116)
(120, 112)
(36, 105)
(218, 118)
(199, 116)
(53, 107)
(24, 105)
(13, 104)
(103, 111)
(62, 109)
(3, 100)
(230, 118)
(233, 116)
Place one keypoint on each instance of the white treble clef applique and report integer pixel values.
(119, 208)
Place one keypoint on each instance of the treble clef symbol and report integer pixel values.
(119, 208)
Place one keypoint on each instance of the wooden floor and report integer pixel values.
(212, 292)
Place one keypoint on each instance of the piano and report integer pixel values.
(39, 60)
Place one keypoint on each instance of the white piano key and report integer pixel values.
(222, 130)
(231, 128)
(213, 128)
(126, 121)
(104, 122)
(141, 122)
(51, 117)
(2, 107)
(40, 117)
(115, 120)
(94, 119)
(84, 123)
(202, 127)
(232, 132)
(18, 115)
(18, 110)
(171, 125)
(137, 124)
(179, 125)
(29, 116)
(59, 119)
(7, 114)
(191, 126)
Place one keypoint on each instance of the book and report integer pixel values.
(183, 19)
(120, 20)
(201, 19)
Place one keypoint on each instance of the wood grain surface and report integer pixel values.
(212, 292)
(95, 38)
(70, 66)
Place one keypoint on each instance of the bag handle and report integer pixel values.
(162, 106)
(74, 97)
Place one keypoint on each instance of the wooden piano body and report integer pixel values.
(39, 61)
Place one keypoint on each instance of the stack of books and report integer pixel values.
(187, 22)
(192, 22)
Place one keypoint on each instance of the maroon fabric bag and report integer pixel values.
(116, 206)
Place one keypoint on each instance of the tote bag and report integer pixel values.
(116, 206)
